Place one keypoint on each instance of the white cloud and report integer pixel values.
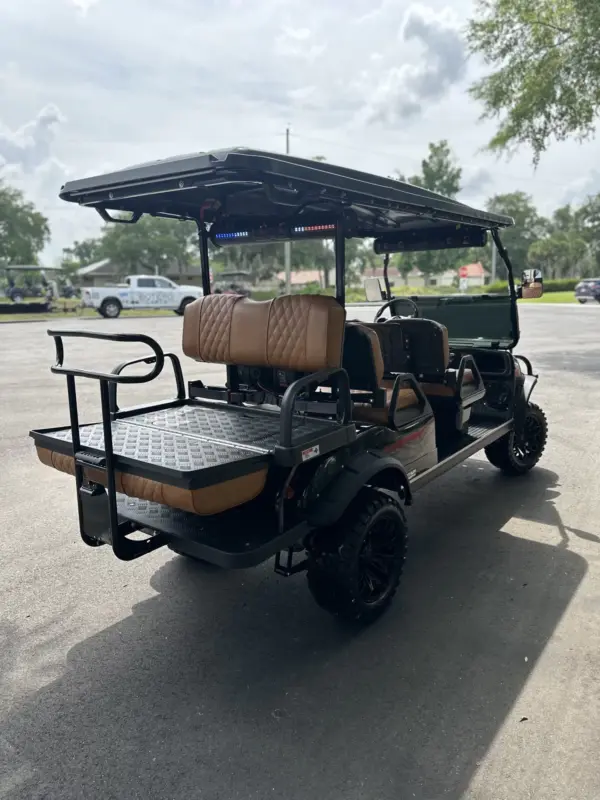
(30, 146)
(581, 188)
(137, 81)
(298, 43)
(404, 89)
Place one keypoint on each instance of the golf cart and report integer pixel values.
(34, 284)
(232, 282)
(325, 427)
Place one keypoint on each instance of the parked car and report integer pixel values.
(588, 289)
(139, 291)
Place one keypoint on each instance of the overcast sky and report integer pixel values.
(92, 85)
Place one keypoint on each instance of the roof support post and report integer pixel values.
(340, 263)
(204, 258)
(386, 279)
(512, 290)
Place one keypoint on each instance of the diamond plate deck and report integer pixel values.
(159, 447)
(190, 445)
(233, 426)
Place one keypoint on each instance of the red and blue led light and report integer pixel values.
(313, 228)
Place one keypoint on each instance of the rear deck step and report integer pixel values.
(240, 538)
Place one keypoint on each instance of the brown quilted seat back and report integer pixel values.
(294, 332)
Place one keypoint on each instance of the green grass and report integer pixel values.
(85, 313)
(553, 297)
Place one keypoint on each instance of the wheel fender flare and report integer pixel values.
(368, 468)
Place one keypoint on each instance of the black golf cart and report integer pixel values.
(325, 428)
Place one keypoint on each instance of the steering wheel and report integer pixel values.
(387, 305)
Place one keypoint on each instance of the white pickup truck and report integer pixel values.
(139, 291)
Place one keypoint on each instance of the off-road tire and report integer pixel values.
(108, 306)
(515, 459)
(343, 566)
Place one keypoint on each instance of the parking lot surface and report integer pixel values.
(156, 680)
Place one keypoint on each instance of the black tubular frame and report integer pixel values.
(344, 404)
(177, 371)
(125, 549)
(511, 286)
(386, 278)
(204, 257)
(340, 263)
(59, 369)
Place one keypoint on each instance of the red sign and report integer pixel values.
(463, 272)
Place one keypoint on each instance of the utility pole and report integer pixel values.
(288, 245)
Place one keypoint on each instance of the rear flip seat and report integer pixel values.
(208, 500)
(300, 332)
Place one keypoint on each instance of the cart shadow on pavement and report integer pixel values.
(228, 685)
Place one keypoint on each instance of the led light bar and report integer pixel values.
(246, 232)
(313, 228)
(236, 235)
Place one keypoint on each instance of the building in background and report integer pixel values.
(475, 274)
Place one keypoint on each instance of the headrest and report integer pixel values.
(294, 332)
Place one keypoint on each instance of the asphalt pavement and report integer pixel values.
(156, 680)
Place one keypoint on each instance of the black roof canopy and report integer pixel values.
(253, 185)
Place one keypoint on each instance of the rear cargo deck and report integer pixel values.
(192, 444)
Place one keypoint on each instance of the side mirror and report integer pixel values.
(532, 284)
(373, 290)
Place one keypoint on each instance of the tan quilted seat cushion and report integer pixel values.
(363, 412)
(447, 390)
(210, 500)
(295, 332)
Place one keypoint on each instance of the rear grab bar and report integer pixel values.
(110, 377)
